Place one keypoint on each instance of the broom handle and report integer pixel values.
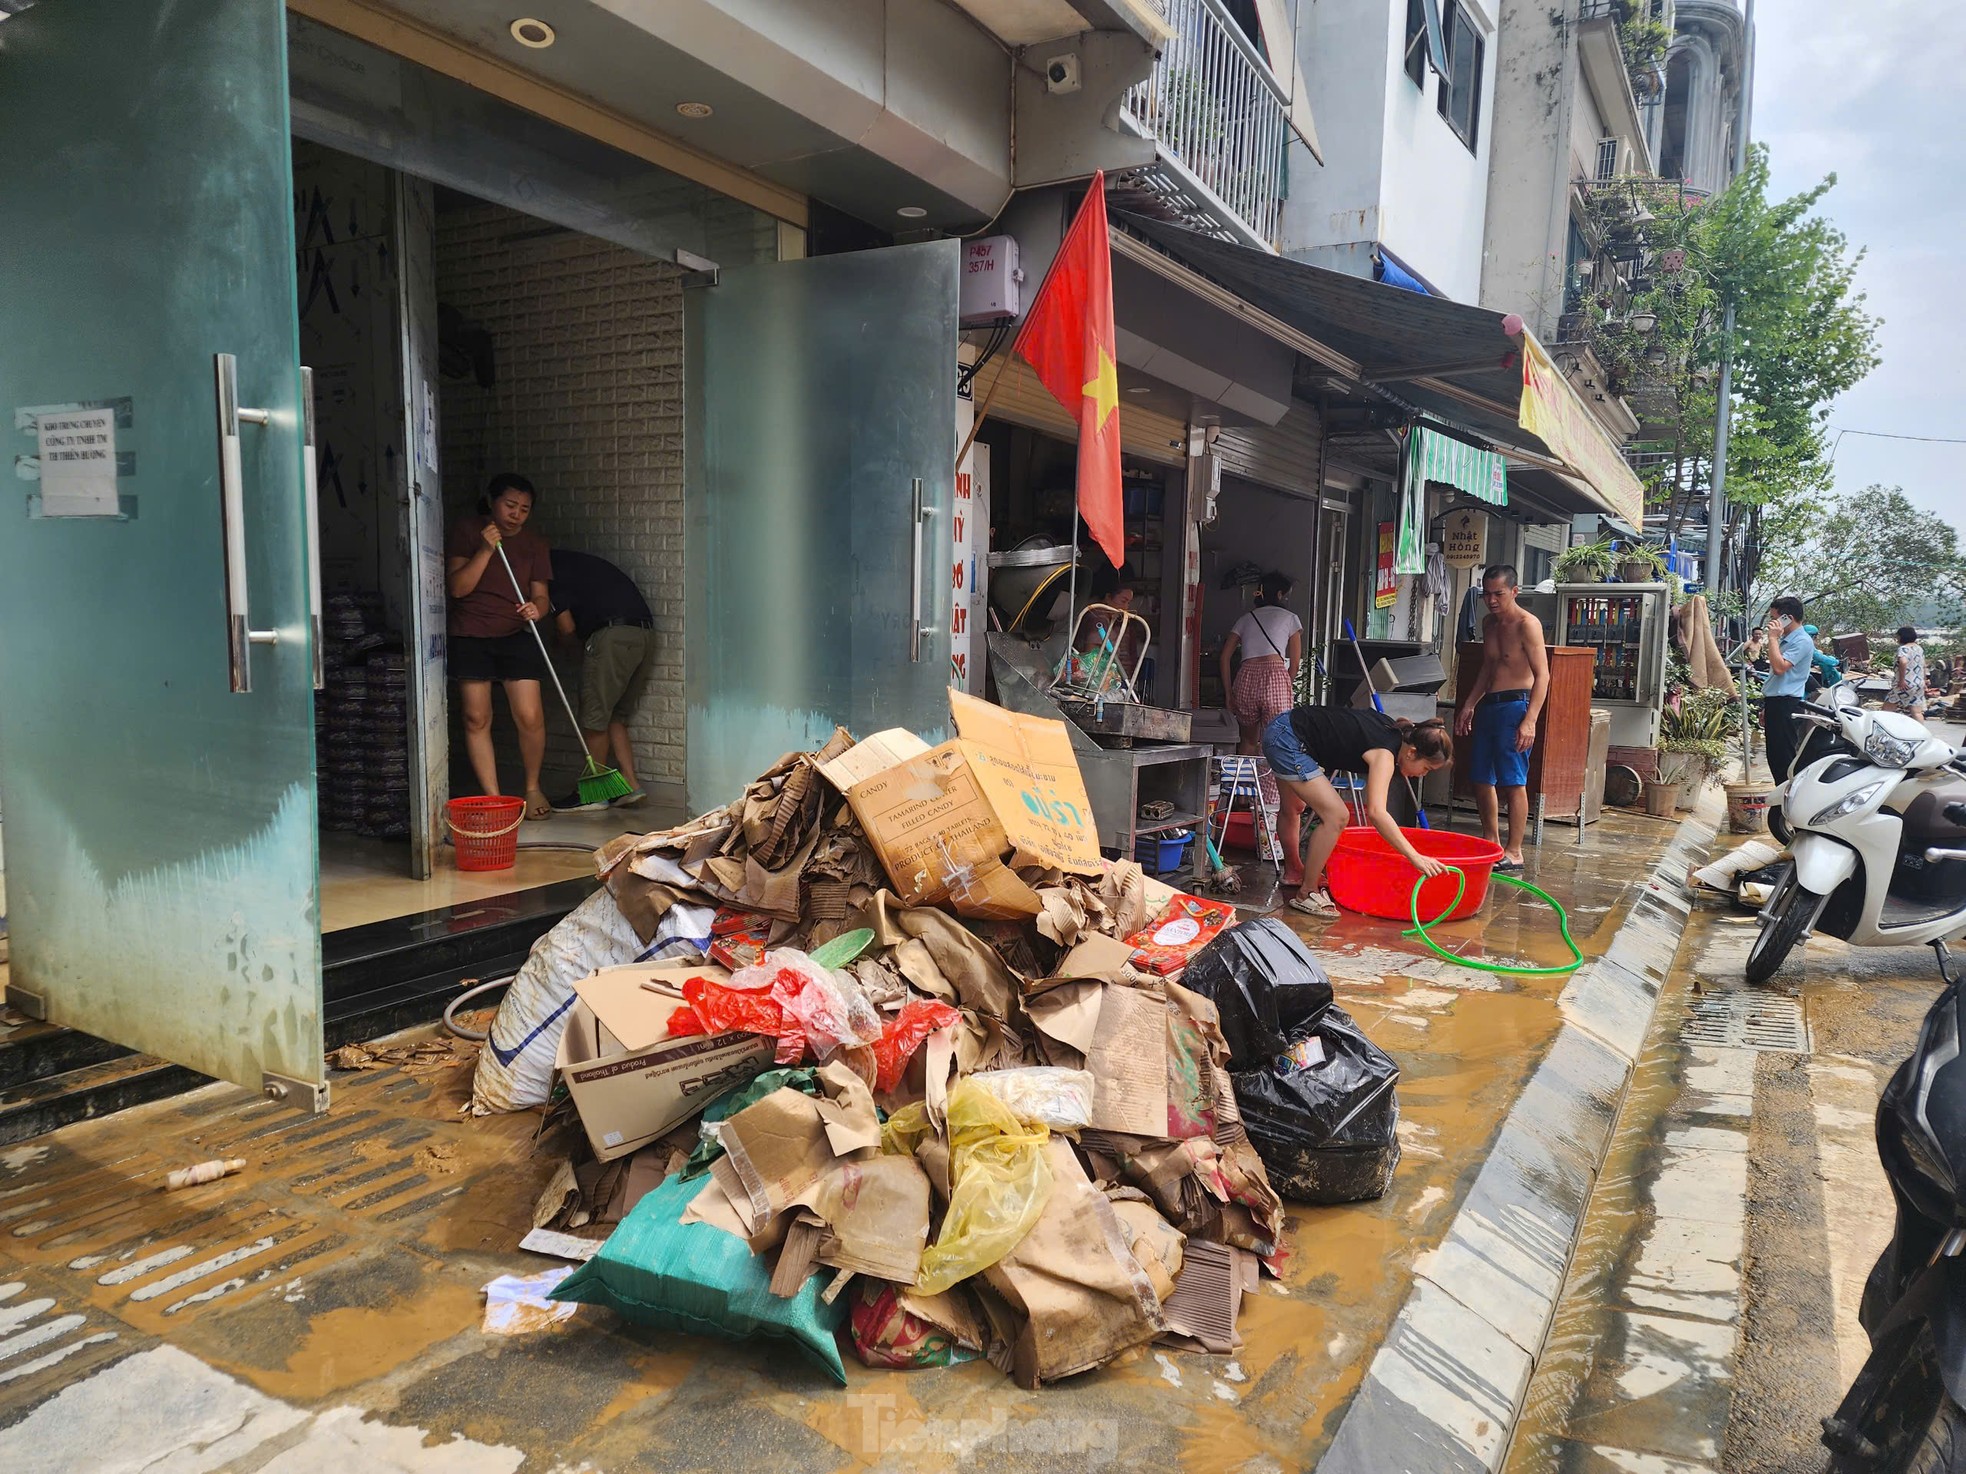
(540, 641)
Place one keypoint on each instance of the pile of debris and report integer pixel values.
(887, 1051)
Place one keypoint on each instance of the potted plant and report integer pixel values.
(1641, 564)
(1693, 733)
(1585, 563)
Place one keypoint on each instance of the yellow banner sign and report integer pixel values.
(1552, 412)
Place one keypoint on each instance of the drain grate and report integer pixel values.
(1738, 1019)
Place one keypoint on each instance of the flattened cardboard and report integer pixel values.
(778, 1148)
(1128, 1059)
(1099, 956)
(634, 1017)
(1028, 772)
(630, 1094)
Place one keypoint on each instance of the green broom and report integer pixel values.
(598, 785)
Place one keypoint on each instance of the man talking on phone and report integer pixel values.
(1791, 654)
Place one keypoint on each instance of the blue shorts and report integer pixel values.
(1496, 761)
(1286, 755)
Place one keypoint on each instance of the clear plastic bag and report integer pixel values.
(999, 1183)
(1058, 1099)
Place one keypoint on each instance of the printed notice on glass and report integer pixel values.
(78, 462)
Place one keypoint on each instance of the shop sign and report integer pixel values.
(1464, 538)
(1385, 591)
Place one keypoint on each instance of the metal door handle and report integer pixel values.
(311, 495)
(916, 629)
(239, 636)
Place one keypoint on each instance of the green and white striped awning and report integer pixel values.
(1482, 474)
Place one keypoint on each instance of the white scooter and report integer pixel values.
(1878, 830)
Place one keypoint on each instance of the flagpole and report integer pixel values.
(1072, 597)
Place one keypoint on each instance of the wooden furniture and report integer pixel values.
(1558, 762)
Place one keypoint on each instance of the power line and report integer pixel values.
(1888, 435)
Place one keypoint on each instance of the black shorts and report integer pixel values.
(513, 657)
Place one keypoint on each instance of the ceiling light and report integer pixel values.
(911, 212)
(1141, 389)
(695, 109)
(535, 34)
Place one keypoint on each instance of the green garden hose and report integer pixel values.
(1419, 928)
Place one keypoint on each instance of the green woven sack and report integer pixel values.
(694, 1278)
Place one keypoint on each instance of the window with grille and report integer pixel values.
(1460, 84)
(1607, 158)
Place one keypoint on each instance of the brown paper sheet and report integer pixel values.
(1075, 1294)
(1128, 1058)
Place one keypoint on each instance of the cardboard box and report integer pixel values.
(950, 823)
(629, 1080)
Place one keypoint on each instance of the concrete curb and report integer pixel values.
(1444, 1391)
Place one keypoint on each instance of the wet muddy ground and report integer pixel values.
(323, 1306)
(1709, 1319)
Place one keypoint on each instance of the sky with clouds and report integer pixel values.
(1870, 91)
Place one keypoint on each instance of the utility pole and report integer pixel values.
(1717, 487)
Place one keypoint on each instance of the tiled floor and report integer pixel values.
(364, 880)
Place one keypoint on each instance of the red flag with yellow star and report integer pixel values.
(1068, 338)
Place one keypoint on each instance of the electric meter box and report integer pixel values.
(991, 282)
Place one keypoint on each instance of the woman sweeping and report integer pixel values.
(1271, 641)
(488, 636)
(1305, 742)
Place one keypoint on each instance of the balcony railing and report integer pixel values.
(1218, 114)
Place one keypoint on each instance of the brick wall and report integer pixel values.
(589, 404)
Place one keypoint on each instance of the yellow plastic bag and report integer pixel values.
(999, 1183)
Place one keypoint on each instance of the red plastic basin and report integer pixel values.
(1367, 875)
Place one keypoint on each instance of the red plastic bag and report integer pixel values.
(716, 1009)
(903, 1034)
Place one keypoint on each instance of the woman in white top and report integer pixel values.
(1271, 640)
(1908, 685)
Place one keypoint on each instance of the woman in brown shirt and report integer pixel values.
(488, 636)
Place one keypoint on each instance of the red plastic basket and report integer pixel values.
(485, 831)
(1367, 875)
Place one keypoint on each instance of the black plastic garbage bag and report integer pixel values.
(1267, 988)
(1328, 1132)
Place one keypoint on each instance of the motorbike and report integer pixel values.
(1905, 1412)
(1874, 824)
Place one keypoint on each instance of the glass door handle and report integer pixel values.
(311, 493)
(240, 637)
(916, 629)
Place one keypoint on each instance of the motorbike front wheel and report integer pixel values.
(1790, 916)
(1917, 1429)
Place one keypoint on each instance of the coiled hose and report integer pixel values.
(1419, 928)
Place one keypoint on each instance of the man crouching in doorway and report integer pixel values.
(1502, 710)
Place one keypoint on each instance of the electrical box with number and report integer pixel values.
(991, 281)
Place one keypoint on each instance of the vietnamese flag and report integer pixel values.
(1068, 338)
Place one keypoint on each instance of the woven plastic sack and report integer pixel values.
(999, 1183)
(691, 1277)
(515, 1068)
(1051, 1097)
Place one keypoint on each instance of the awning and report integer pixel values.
(1482, 474)
(1467, 367)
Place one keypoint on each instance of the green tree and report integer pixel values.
(1802, 335)
(1867, 560)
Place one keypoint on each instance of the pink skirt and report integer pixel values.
(1261, 693)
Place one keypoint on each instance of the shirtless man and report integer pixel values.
(1502, 709)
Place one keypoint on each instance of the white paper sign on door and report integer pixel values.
(78, 462)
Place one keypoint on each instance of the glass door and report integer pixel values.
(156, 621)
(821, 434)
